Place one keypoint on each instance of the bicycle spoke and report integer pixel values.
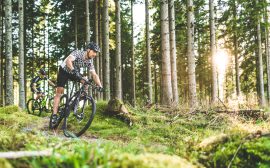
(81, 116)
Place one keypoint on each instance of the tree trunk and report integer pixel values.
(118, 83)
(33, 48)
(8, 42)
(191, 56)
(1, 54)
(166, 84)
(267, 52)
(87, 34)
(100, 38)
(260, 64)
(148, 53)
(76, 24)
(133, 86)
(105, 50)
(235, 44)
(21, 56)
(173, 53)
(25, 51)
(156, 84)
(87, 22)
(97, 60)
(213, 51)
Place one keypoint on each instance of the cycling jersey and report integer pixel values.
(79, 61)
(37, 80)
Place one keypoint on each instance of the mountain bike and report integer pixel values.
(77, 117)
(44, 103)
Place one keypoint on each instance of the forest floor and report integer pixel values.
(158, 138)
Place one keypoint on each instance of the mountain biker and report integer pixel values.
(70, 70)
(36, 82)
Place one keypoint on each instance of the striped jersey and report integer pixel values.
(78, 61)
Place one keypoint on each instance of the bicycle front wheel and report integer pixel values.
(80, 116)
(60, 112)
(33, 107)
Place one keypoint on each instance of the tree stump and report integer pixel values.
(117, 108)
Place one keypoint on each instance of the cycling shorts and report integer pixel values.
(63, 77)
(38, 90)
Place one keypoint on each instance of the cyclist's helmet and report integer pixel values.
(42, 71)
(93, 46)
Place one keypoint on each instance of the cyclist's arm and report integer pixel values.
(69, 61)
(51, 83)
(34, 87)
(96, 78)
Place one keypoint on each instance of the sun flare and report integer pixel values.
(221, 60)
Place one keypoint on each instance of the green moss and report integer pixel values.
(5, 163)
(9, 109)
(154, 140)
(149, 160)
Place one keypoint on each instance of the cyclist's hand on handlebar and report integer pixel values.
(100, 89)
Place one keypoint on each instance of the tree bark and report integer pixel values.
(133, 85)
(100, 38)
(156, 83)
(8, 40)
(213, 51)
(166, 90)
(267, 52)
(76, 24)
(105, 51)
(191, 56)
(118, 83)
(235, 44)
(148, 53)
(21, 56)
(260, 64)
(87, 22)
(1, 54)
(173, 53)
(87, 34)
(97, 60)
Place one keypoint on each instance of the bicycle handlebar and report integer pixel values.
(90, 82)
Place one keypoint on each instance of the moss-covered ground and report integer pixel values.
(155, 140)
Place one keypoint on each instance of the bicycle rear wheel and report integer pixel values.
(33, 107)
(60, 112)
(80, 117)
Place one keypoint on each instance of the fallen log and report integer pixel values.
(239, 111)
(213, 140)
(255, 114)
(20, 154)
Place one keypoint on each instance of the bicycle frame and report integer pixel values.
(76, 104)
(44, 100)
(73, 100)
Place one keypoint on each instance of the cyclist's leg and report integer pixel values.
(39, 94)
(62, 78)
(58, 94)
(33, 91)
